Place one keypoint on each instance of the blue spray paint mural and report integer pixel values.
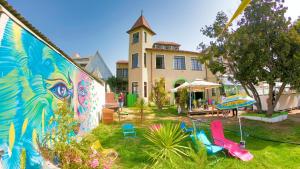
(33, 80)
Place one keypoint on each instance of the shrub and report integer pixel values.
(166, 143)
(183, 96)
(159, 95)
(196, 158)
(141, 105)
(65, 152)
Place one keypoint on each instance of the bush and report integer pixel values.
(169, 148)
(159, 95)
(141, 105)
(183, 96)
(59, 147)
(166, 143)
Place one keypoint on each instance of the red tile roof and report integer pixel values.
(167, 43)
(141, 22)
(178, 51)
(122, 61)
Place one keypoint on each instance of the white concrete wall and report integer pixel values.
(286, 101)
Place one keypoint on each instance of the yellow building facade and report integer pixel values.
(148, 61)
(122, 75)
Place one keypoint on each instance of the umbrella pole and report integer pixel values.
(242, 142)
(241, 129)
(190, 101)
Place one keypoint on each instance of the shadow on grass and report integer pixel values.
(167, 111)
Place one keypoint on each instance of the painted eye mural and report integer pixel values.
(61, 91)
(34, 79)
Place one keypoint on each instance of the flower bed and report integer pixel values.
(276, 117)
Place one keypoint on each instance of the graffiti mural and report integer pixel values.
(34, 78)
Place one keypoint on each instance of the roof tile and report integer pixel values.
(141, 22)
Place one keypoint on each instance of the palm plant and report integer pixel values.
(166, 143)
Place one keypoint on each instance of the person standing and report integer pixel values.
(234, 112)
(121, 101)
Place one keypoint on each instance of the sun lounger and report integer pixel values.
(232, 147)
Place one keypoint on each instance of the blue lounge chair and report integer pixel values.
(185, 129)
(128, 130)
(210, 148)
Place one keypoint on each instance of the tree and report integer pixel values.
(294, 37)
(260, 49)
(141, 105)
(183, 96)
(159, 94)
(116, 84)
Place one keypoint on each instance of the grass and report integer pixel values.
(275, 114)
(133, 152)
(267, 154)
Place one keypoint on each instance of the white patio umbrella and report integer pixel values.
(196, 85)
(201, 85)
(183, 85)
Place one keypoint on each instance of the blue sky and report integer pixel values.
(85, 26)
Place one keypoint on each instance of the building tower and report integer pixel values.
(140, 38)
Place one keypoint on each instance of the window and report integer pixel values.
(119, 72)
(135, 37)
(179, 63)
(145, 36)
(125, 73)
(122, 73)
(160, 63)
(145, 89)
(135, 60)
(196, 65)
(134, 88)
(213, 92)
(145, 60)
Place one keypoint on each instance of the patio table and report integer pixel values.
(204, 111)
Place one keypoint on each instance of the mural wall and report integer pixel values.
(34, 78)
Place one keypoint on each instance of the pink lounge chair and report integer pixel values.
(232, 147)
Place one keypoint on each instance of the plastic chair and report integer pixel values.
(128, 130)
(210, 148)
(233, 148)
(185, 129)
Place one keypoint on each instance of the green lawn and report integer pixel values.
(264, 114)
(133, 152)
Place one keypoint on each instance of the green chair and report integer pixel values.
(128, 130)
